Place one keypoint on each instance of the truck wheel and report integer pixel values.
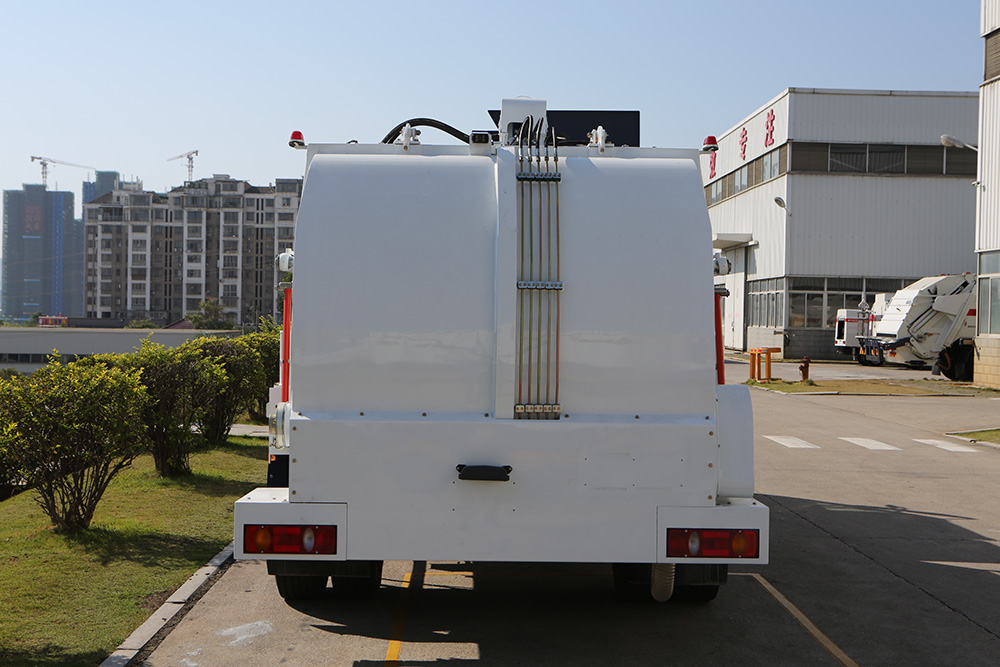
(360, 587)
(956, 362)
(300, 587)
(861, 358)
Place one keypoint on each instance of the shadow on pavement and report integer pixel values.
(887, 585)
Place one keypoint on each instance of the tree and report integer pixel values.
(242, 368)
(69, 430)
(210, 317)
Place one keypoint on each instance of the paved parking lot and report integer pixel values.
(885, 550)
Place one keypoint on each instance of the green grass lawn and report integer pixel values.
(70, 600)
(907, 387)
(992, 435)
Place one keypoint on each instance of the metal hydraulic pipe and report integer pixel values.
(531, 262)
(524, 234)
(548, 296)
(541, 256)
(555, 154)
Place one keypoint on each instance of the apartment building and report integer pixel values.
(157, 256)
(42, 254)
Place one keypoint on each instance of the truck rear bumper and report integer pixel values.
(634, 534)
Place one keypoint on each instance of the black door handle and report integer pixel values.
(484, 473)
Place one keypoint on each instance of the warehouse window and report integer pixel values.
(989, 292)
(886, 159)
(848, 157)
(959, 162)
(991, 68)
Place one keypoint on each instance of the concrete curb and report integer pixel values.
(136, 641)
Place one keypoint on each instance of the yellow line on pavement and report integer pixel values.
(804, 621)
(411, 580)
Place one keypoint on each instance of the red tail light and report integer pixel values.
(712, 543)
(290, 539)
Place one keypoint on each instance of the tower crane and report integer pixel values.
(190, 158)
(46, 161)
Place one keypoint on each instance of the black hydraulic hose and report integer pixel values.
(425, 122)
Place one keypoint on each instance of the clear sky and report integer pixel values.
(123, 86)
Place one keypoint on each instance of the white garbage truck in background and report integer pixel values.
(928, 324)
(505, 350)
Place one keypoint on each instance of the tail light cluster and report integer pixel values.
(712, 543)
(290, 539)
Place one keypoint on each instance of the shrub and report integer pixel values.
(242, 369)
(267, 344)
(69, 430)
(181, 384)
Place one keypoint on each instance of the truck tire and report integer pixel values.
(699, 583)
(360, 587)
(956, 363)
(300, 587)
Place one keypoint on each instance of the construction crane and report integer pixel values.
(190, 158)
(46, 161)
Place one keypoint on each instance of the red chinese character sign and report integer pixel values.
(711, 164)
(743, 144)
(769, 128)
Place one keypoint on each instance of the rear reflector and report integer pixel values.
(290, 539)
(712, 543)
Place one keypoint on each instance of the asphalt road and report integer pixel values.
(885, 550)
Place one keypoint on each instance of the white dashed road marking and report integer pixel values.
(868, 443)
(947, 446)
(790, 442)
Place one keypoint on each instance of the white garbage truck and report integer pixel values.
(928, 324)
(505, 350)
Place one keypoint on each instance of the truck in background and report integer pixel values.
(928, 324)
(484, 362)
(853, 323)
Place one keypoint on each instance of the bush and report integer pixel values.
(243, 378)
(181, 384)
(69, 430)
(267, 344)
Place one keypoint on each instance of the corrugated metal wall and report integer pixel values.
(892, 226)
(989, 17)
(754, 212)
(988, 229)
(881, 117)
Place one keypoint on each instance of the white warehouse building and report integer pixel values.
(987, 366)
(822, 198)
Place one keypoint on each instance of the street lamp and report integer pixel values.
(781, 204)
(953, 142)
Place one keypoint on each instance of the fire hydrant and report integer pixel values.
(804, 368)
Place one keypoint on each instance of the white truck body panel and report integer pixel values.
(404, 362)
